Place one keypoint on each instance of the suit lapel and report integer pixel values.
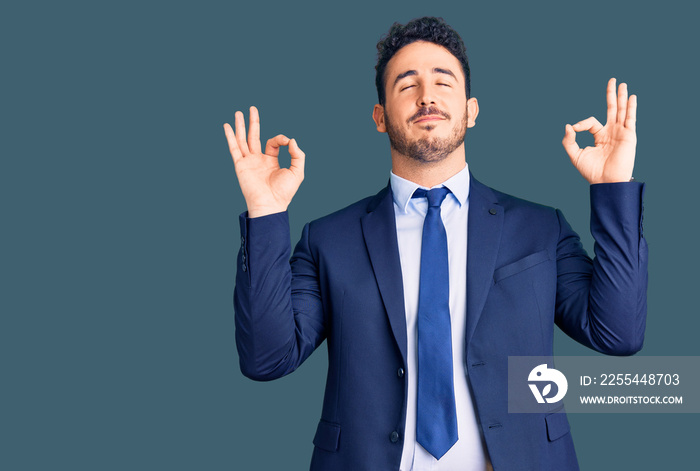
(484, 235)
(485, 222)
(379, 229)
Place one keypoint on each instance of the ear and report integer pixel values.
(378, 117)
(472, 112)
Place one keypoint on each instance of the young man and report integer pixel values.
(425, 289)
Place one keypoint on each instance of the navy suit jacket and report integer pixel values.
(526, 272)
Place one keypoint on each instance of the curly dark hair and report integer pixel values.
(430, 29)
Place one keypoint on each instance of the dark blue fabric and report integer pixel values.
(526, 272)
(436, 420)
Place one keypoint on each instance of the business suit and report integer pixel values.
(526, 271)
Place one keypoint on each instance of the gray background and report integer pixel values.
(120, 205)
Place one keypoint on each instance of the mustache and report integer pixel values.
(429, 111)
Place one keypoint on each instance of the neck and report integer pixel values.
(428, 174)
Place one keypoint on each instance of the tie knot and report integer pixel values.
(435, 196)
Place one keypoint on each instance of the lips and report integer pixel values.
(429, 118)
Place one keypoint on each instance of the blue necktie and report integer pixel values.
(436, 427)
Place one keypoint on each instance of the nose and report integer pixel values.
(427, 96)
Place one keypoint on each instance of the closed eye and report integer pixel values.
(407, 87)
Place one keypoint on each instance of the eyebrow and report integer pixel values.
(436, 70)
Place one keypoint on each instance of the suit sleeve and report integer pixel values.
(602, 303)
(277, 302)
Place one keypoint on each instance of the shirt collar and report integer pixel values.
(403, 189)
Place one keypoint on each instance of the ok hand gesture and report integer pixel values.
(612, 157)
(266, 187)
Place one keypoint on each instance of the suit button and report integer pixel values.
(394, 436)
(243, 267)
(242, 240)
(400, 372)
(492, 211)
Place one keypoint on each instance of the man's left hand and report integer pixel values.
(612, 158)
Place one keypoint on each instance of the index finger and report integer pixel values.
(273, 145)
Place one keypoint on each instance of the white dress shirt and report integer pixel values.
(468, 453)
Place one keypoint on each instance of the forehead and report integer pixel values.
(422, 57)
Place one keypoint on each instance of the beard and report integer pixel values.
(426, 149)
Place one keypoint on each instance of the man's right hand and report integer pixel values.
(266, 187)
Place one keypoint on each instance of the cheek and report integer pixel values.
(457, 109)
(396, 114)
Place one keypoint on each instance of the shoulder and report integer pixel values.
(526, 226)
(351, 212)
(511, 204)
(340, 233)
(348, 219)
(521, 218)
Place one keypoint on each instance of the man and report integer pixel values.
(425, 289)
